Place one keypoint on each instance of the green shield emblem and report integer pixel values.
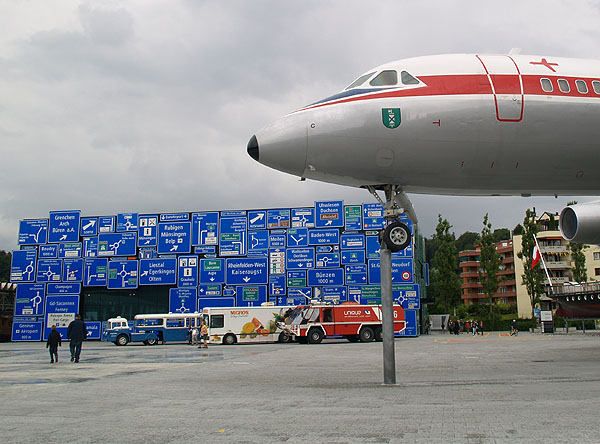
(391, 117)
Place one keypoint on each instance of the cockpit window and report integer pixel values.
(360, 80)
(407, 79)
(385, 78)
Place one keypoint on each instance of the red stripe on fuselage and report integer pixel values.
(473, 84)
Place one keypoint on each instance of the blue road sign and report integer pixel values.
(247, 271)
(300, 258)
(29, 300)
(122, 274)
(147, 230)
(212, 271)
(402, 271)
(333, 277)
(411, 329)
(257, 220)
(323, 237)
(94, 329)
(49, 270)
(407, 296)
(26, 331)
(373, 247)
(352, 241)
(106, 224)
(297, 237)
(407, 252)
(90, 246)
(329, 214)
(174, 217)
(95, 272)
(302, 295)
(117, 244)
(356, 274)
(183, 300)
(54, 289)
(89, 226)
(327, 260)
(353, 217)
(334, 294)
(48, 251)
(187, 273)
(205, 228)
(23, 265)
(277, 239)
(72, 249)
(174, 237)
(63, 226)
(303, 217)
(127, 222)
(232, 236)
(147, 253)
(210, 290)
(277, 285)
(296, 278)
(206, 251)
(215, 302)
(351, 257)
(277, 261)
(258, 240)
(278, 219)
(373, 216)
(251, 295)
(60, 311)
(290, 300)
(162, 271)
(72, 270)
(33, 232)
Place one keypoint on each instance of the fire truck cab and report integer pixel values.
(312, 323)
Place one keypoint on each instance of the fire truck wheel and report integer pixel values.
(378, 334)
(315, 335)
(122, 340)
(366, 334)
(352, 338)
(283, 337)
(229, 339)
(397, 236)
(302, 340)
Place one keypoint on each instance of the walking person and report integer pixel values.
(204, 334)
(76, 333)
(443, 326)
(427, 326)
(195, 336)
(54, 341)
(481, 327)
(474, 328)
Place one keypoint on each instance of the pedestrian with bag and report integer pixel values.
(204, 334)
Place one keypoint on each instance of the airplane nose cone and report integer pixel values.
(253, 148)
(283, 145)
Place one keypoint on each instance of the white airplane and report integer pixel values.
(463, 124)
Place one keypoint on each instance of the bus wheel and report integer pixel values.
(315, 335)
(151, 341)
(122, 340)
(366, 334)
(229, 339)
(352, 338)
(283, 337)
(378, 334)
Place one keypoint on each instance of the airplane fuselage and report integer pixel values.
(454, 124)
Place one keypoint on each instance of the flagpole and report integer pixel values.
(543, 261)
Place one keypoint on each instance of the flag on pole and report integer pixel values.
(536, 256)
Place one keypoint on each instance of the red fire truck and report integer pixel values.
(312, 323)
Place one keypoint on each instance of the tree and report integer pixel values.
(4, 266)
(445, 282)
(489, 263)
(467, 241)
(501, 234)
(532, 278)
(518, 230)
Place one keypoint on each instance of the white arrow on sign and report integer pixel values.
(329, 222)
(246, 279)
(174, 248)
(64, 237)
(89, 225)
(145, 273)
(257, 218)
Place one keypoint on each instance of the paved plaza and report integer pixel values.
(451, 389)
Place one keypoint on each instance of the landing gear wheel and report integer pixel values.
(366, 334)
(229, 339)
(396, 236)
(315, 335)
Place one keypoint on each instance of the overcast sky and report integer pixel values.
(147, 106)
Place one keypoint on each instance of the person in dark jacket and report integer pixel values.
(54, 341)
(77, 333)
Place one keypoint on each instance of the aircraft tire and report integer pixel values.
(397, 236)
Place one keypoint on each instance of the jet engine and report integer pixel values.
(581, 223)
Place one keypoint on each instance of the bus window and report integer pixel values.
(217, 321)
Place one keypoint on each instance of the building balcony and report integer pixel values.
(557, 264)
(553, 249)
(471, 285)
(469, 274)
(464, 264)
(556, 280)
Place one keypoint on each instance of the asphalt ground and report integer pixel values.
(451, 389)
